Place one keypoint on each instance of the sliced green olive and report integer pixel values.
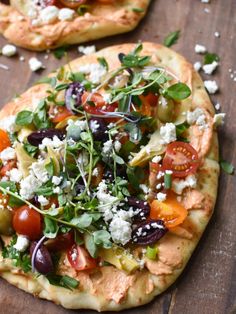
(165, 109)
(6, 222)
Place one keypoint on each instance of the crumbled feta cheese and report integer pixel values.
(22, 59)
(54, 143)
(95, 172)
(169, 172)
(160, 174)
(156, 159)
(161, 197)
(179, 185)
(206, 10)
(22, 243)
(168, 133)
(144, 188)
(38, 169)
(56, 180)
(117, 146)
(210, 68)
(205, 1)
(158, 186)
(217, 34)
(197, 66)
(35, 64)
(28, 186)
(87, 50)
(217, 106)
(107, 147)
(9, 50)
(94, 125)
(57, 190)
(120, 230)
(219, 119)
(82, 124)
(197, 116)
(211, 86)
(49, 14)
(43, 200)
(95, 71)
(9, 124)
(8, 154)
(15, 175)
(200, 48)
(74, 254)
(107, 97)
(66, 14)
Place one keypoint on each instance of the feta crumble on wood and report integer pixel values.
(210, 68)
(168, 133)
(9, 50)
(211, 86)
(35, 64)
(197, 66)
(88, 50)
(22, 243)
(219, 119)
(200, 48)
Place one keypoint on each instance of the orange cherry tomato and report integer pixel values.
(61, 115)
(151, 99)
(4, 140)
(80, 259)
(170, 211)
(27, 221)
(181, 158)
(10, 165)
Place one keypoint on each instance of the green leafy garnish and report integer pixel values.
(178, 91)
(210, 58)
(227, 167)
(60, 52)
(171, 38)
(103, 62)
(24, 118)
(63, 281)
(167, 180)
(51, 228)
(138, 10)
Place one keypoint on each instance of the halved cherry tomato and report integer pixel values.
(170, 211)
(181, 158)
(80, 259)
(154, 169)
(151, 99)
(61, 115)
(27, 221)
(4, 140)
(10, 165)
(62, 242)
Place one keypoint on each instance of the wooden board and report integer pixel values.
(208, 285)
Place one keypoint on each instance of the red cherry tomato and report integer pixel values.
(151, 99)
(80, 259)
(4, 140)
(10, 165)
(61, 115)
(27, 221)
(62, 242)
(181, 158)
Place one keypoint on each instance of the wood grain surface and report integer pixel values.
(208, 284)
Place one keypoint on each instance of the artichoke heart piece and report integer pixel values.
(52, 155)
(153, 148)
(24, 133)
(119, 258)
(24, 160)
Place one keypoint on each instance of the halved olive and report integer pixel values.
(165, 109)
(6, 222)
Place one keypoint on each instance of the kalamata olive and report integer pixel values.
(73, 96)
(149, 232)
(6, 222)
(62, 242)
(108, 175)
(143, 208)
(121, 171)
(37, 137)
(98, 128)
(43, 261)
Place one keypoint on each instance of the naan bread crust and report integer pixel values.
(176, 247)
(102, 21)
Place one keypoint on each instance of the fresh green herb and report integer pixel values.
(60, 52)
(167, 181)
(134, 61)
(134, 132)
(138, 10)
(91, 245)
(102, 238)
(61, 87)
(178, 91)
(135, 176)
(51, 228)
(24, 118)
(63, 281)
(47, 80)
(50, 168)
(82, 222)
(20, 259)
(30, 149)
(210, 58)
(152, 252)
(61, 74)
(11, 186)
(171, 38)
(103, 62)
(227, 167)
(181, 128)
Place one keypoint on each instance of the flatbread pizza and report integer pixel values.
(46, 24)
(108, 179)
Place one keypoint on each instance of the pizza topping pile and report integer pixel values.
(97, 170)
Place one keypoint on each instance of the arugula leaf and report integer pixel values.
(227, 167)
(103, 62)
(171, 38)
(102, 238)
(211, 57)
(63, 281)
(51, 228)
(181, 128)
(24, 118)
(11, 186)
(118, 159)
(60, 52)
(178, 91)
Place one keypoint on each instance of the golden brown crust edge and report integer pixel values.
(208, 178)
(104, 20)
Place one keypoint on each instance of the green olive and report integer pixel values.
(165, 109)
(6, 222)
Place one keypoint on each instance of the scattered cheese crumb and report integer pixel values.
(197, 116)
(197, 66)
(217, 106)
(219, 119)
(205, 1)
(56, 180)
(210, 68)
(156, 159)
(168, 133)
(66, 14)
(161, 197)
(15, 175)
(217, 34)
(22, 243)
(43, 200)
(200, 48)
(49, 14)
(7, 154)
(9, 50)
(87, 50)
(211, 86)
(35, 64)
